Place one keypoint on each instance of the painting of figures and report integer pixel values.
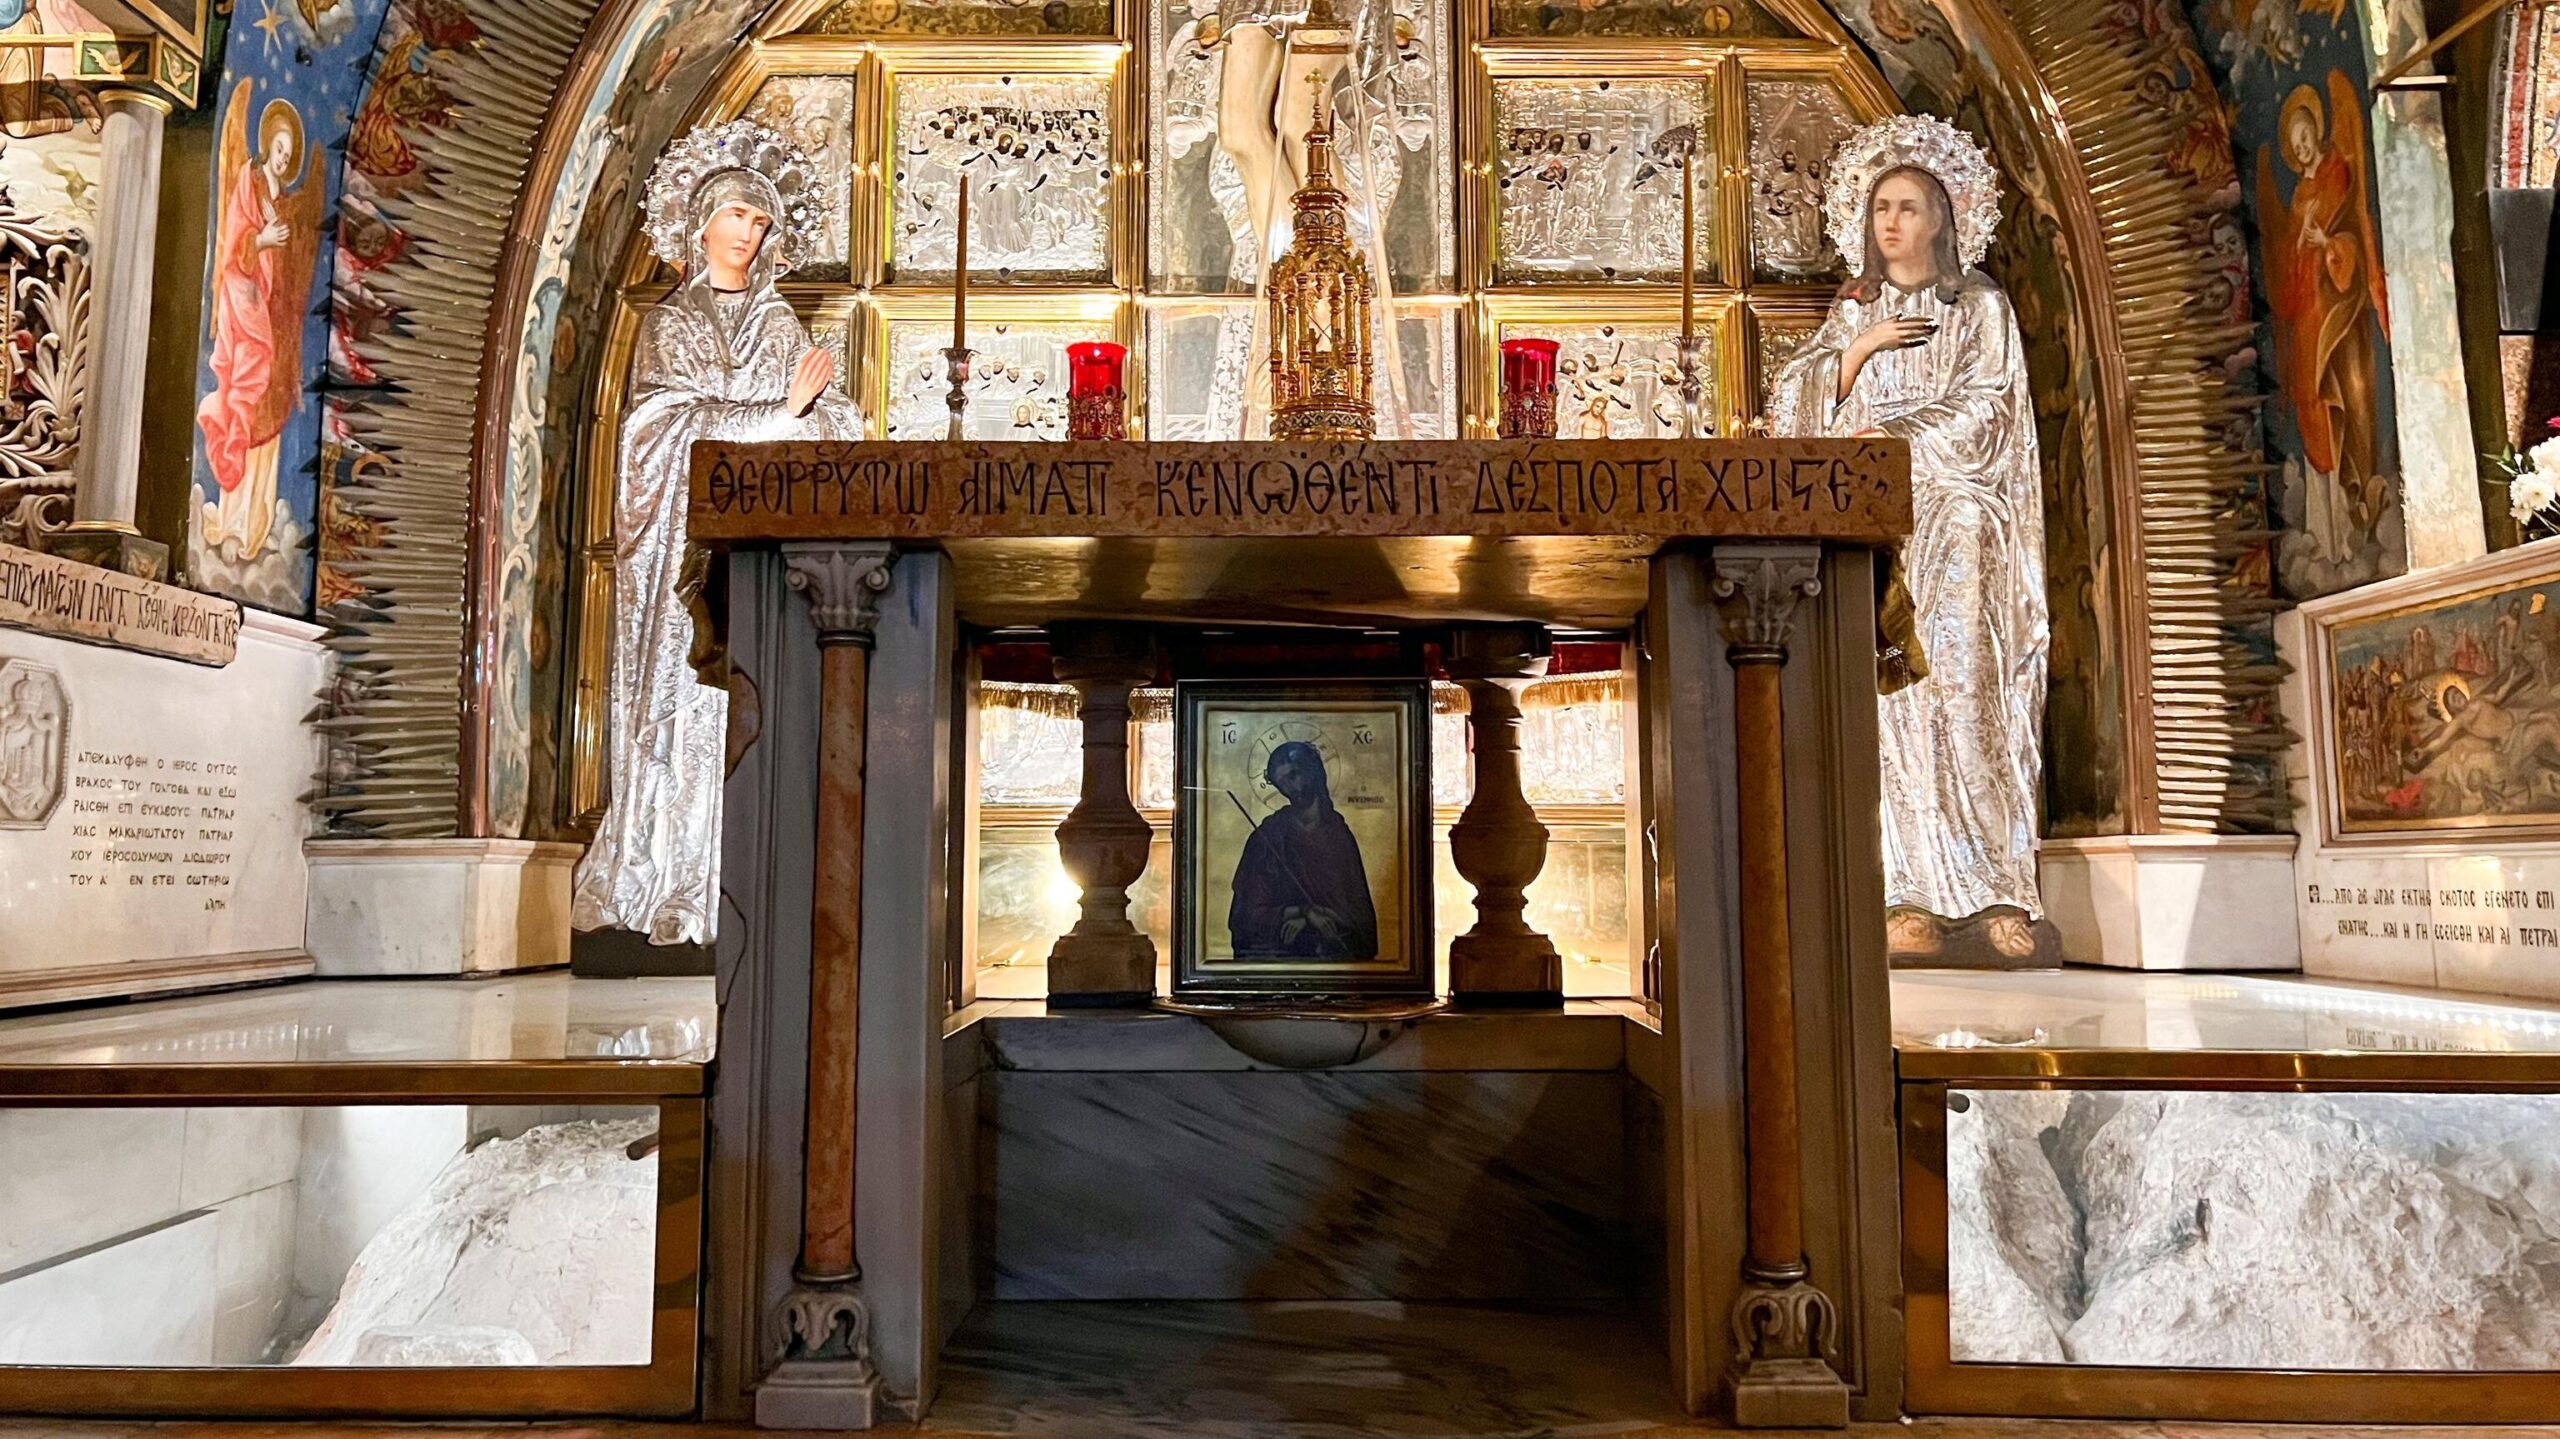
(289, 86)
(2447, 715)
(2295, 74)
(264, 252)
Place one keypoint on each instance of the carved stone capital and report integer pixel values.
(1757, 588)
(843, 585)
(1782, 1334)
(825, 1379)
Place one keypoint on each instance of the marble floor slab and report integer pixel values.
(1359, 1370)
(1917, 1429)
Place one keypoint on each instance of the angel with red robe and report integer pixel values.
(269, 235)
(2325, 290)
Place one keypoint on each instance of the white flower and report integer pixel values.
(2536, 487)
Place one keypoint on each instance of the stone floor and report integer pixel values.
(1283, 1371)
(1913, 1430)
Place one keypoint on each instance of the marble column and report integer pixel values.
(2440, 510)
(1105, 961)
(826, 1379)
(1782, 1325)
(122, 244)
(1499, 844)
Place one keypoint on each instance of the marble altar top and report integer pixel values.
(2127, 1024)
(545, 1020)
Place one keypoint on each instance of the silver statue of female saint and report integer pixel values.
(1923, 347)
(723, 357)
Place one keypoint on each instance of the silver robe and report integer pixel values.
(709, 367)
(1962, 762)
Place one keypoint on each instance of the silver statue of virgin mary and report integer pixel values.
(734, 207)
(1922, 346)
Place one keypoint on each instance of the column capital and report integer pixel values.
(112, 97)
(843, 584)
(1756, 589)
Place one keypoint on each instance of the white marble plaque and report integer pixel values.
(2435, 917)
(152, 813)
(52, 595)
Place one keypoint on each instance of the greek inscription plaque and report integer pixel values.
(1848, 490)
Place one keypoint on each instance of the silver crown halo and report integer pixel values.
(1923, 142)
(808, 195)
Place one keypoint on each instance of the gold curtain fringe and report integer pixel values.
(1048, 701)
(1605, 687)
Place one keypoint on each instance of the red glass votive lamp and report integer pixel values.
(1096, 404)
(1529, 389)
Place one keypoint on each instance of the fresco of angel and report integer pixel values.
(269, 233)
(2325, 293)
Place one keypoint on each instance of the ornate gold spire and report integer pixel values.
(1322, 361)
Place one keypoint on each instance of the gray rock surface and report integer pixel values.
(2345, 1231)
(536, 1250)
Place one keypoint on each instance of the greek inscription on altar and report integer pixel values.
(156, 828)
(1851, 490)
(52, 595)
(2373, 911)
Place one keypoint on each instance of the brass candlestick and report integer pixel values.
(1693, 385)
(955, 356)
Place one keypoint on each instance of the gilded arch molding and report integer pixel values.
(2165, 700)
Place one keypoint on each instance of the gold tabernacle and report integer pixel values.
(1322, 364)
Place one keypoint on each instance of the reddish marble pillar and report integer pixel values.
(1783, 1326)
(826, 1379)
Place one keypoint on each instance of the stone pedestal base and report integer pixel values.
(819, 1394)
(112, 548)
(826, 1379)
(438, 906)
(1789, 1394)
(1505, 972)
(2171, 902)
(1102, 972)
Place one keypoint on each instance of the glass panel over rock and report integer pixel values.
(358, 1236)
(1037, 151)
(1587, 175)
(1225, 92)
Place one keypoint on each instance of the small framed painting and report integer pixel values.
(1302, 839)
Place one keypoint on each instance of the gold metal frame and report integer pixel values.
(2321, 659)
(1937, 1385)
(865, 301)
(662, 1388)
